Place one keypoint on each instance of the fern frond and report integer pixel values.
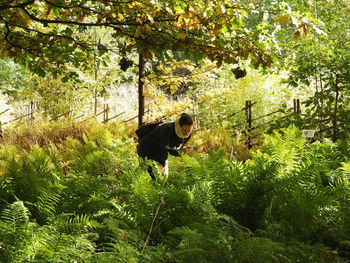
(47, 202)
(226, 179)
(50, 244)
(216, 240)
(14, 234)
(260, 250)
(74, 224)
(285, 148)
(89, 164)
(15, 215)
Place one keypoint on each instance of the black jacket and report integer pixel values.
(159, 142)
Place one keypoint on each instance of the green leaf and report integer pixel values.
(40, 71)
(56, 11)
(68, 31)
(65, 79)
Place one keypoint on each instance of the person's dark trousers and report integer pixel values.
(150, 171)
(149, 168)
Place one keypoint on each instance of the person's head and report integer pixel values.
(186, 124)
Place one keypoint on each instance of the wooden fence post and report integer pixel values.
(32, 110)
(70, 114)
(27, 111)
(105, 113)
(248, 113)
(296, 106)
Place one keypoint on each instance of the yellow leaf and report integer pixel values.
(3, 172)
(283, 19)
(131, 260)
(148, 28)
(137, 34)
(120, 16)
(204, 14)
(173, 88)
(50, 14)
(220, 9)
(150, 18)
(181, 35)
(114, 15)
(81, 16)
(305, 30)
(217, 29)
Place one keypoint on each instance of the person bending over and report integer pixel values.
(163, 139)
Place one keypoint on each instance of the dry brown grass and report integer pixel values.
(43, 133)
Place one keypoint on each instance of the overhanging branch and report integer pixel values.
(6, 38)
(69, 6)
(9, 6)
(68, 22)
(51, 35)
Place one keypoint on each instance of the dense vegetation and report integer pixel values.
(87, 199)
(253, 190)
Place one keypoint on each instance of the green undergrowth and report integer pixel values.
(89, 199)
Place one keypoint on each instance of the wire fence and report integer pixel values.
(252, 120)
(310, 127)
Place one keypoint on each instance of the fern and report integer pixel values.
(46, 203)
(319, 164)
(14, 235)
(52, 152)
(87, 195)
(92, 202)
(303, 203)
(34, 181)
(341, 188)
(225, 177)
(15, 215)
(238, 189)
(54, 246)
(125, 217)
(216, 240)
(285, 149)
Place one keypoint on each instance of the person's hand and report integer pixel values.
(186, 149)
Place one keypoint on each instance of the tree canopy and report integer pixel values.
(56, 32)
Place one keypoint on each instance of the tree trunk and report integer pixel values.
(322, 117)
(335, 126)
(140, 90)
(248, 109)
(95, 75)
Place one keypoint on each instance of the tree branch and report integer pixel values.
(6, 38)
(120, 2)
(69, 6)
(51, 35)
(67, 22)
(8, 6)
(151, 227)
